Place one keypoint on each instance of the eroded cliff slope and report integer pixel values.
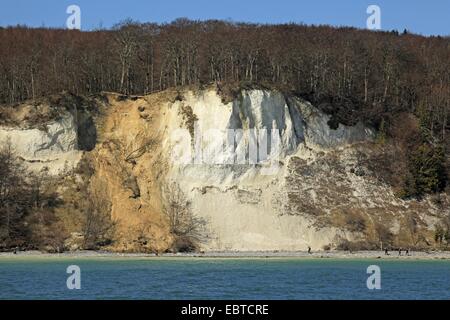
(262, 172)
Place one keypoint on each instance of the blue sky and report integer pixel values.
(431, 17)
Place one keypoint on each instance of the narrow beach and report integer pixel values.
(393, 255)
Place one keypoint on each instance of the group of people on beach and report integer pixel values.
(386, 252)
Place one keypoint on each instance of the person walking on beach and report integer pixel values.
(309, 249)
(407, 252)
(386, 252)
(400, 251)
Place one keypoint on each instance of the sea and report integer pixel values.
(159, 278)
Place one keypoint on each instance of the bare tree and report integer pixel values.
(98, 226)
(127, 47)
(188, 229)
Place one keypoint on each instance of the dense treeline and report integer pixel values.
(377, 77)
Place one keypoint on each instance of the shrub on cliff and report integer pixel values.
(187, 229)
(98, 227)
(427, 165)
(14, 200)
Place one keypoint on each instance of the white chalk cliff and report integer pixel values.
(53, 145)
(245, 204)
(306, 189)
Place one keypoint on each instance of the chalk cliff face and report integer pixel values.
(53, 145)
(247, 205)
(265, 171)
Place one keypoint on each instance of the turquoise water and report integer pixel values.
(186, 278)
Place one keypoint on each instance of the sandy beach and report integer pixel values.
(393, 255)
